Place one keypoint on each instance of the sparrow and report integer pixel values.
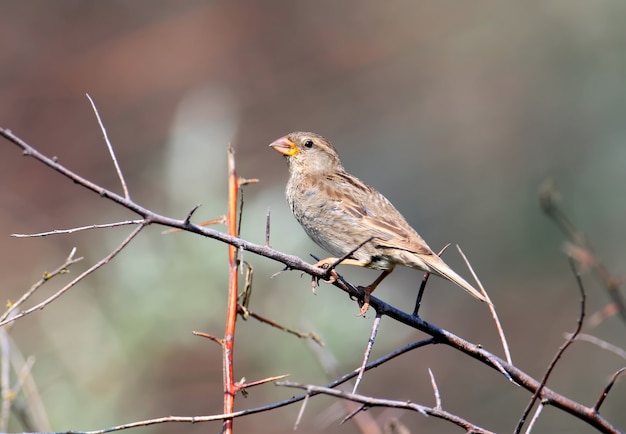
(350, 219)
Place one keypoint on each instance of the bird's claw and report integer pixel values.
(332, 278)
(365, 304)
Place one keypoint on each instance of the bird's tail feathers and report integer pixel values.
(440, 268)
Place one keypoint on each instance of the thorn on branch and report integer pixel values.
(215, 339)
(191, 213)
(605, 392)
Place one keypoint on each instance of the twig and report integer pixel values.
(47, 276)
(600, 343)
(305, 402)
(420, 292)
(368, 350)
(492, 307)
(84, 274)
(120, 175)
(607, 389)
(267, 228)
(438, 404)
(376, 402)
(209, 336)
(315, 338)
(557, 357)
(78, 229)
(534, 419)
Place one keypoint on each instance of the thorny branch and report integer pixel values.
(439, 335)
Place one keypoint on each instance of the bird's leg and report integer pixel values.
(369, 289)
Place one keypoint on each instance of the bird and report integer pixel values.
(351, 220)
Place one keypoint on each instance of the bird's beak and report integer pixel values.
(285, 146)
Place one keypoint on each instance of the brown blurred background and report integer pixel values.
(457, 111)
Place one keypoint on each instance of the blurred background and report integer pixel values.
(456, 111)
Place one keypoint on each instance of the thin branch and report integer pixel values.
(70, 260)
(492, 307)
(267, 228)
(209, 336)
(607, 389)
(315, 338)
(84, 274)
(120, 175)
(438, 404)
(368, 350)
(300, 415)
(557, 357)
(534, 419)
(376, 402)
(420, 292)
(78, 229)
(250, 384)
(600, 343)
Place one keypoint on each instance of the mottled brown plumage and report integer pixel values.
(339, 212)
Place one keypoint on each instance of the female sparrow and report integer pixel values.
(339, 213)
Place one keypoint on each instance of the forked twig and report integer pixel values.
(47, 276)
(84, 274)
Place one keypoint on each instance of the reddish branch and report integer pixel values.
(230, 388)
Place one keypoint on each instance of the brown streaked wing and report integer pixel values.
(381, 219)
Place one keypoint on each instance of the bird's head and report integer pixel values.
(308, 153)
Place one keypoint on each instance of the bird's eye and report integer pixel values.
(308, 144)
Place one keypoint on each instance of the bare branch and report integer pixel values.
(534, 419)
(420, 292)
(78, 229)
(492, 308)
(438, 404)
(600, 343)
(607, 389)
(110, 148)
(70, 260)
(376, 402)
(84, 274)
(368, 350)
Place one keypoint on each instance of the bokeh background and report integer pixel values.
(457, 111)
